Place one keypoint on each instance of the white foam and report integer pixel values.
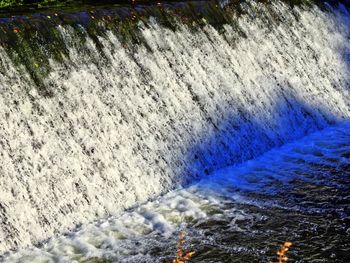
(131, 235)
(116, 134)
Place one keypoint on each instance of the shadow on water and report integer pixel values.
(241, 136)
(308, 204)
(314, 212)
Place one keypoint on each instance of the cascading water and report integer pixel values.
(95, 120)
(299, 192)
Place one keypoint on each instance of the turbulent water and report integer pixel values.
(299, 192)
(123, 125)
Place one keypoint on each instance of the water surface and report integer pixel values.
(299, 193)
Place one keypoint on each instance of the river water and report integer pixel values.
(298, 193)
(117, 130)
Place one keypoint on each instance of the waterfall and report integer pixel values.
(92, 123)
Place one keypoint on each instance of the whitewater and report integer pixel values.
(298, 192)
(151, 129)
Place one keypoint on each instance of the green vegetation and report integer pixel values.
(60, 3)
(40, 3)
(12, 3)
(21, 5)
(5, 3)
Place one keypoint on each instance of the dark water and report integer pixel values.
(102, 113)
(298, 193)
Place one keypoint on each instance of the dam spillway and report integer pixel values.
(100, 114)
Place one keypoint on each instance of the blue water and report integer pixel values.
(298, 193)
